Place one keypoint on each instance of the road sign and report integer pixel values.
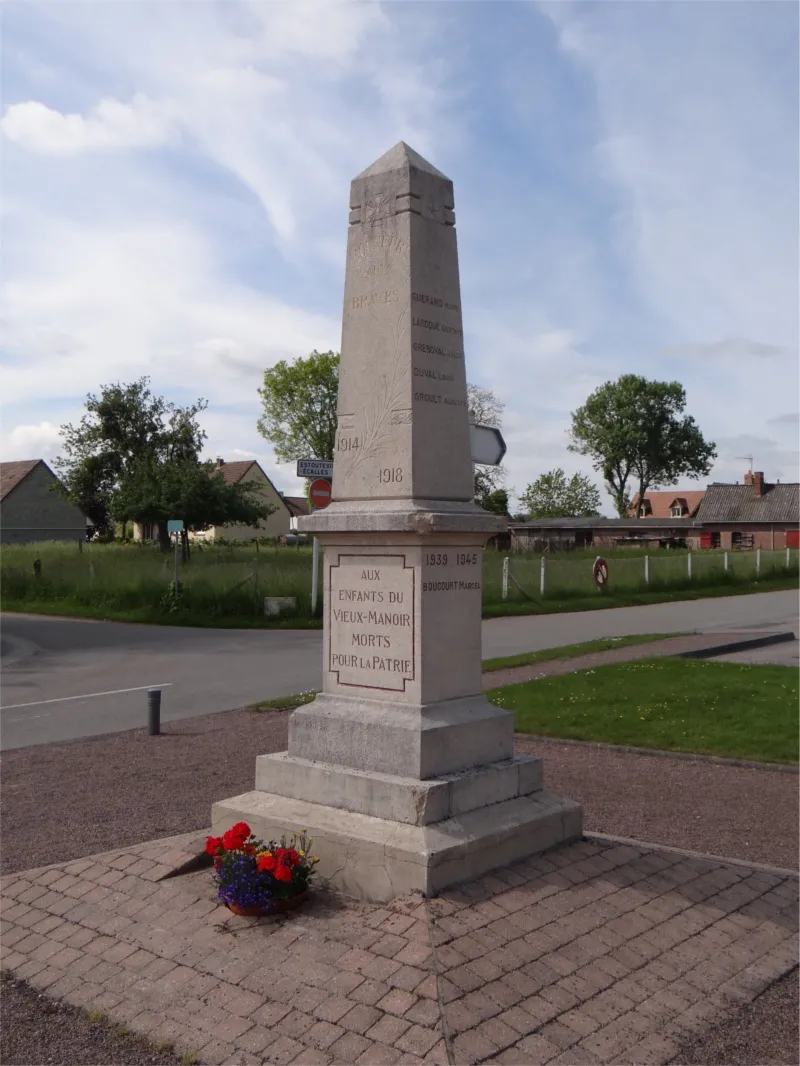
(315, 468)
(487, 444)
(600, 572)
(175, 525)
(320, 493)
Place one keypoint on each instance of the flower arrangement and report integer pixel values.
(257, 876)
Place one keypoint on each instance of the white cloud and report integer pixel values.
(33, 442)
(729, 348)
(656, 235)
(109, 125)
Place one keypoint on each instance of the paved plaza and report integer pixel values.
(597, 952)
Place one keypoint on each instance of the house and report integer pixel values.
(559, 534)
(298, 506)
(673, 503)
(753, 515)
(29, 508)
(248, 470)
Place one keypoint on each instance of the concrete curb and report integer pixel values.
(749, 764)
(779, 871)
(737, 645)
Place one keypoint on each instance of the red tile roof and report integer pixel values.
(661, 503)
(298, 505)
(233, 472)
(12, 473)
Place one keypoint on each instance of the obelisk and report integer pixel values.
(401, 769)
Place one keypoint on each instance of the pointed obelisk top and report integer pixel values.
(401, 157)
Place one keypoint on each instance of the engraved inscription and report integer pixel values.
(371, 621)
(434, 301)
(462, 571)
(373, 299)
(435, 397)
(372, 256)
(434, 349)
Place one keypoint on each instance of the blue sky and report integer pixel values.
(175, 204)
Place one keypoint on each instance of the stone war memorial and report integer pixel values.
(401, 770)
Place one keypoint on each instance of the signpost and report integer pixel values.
(175, 525)
(320, 493)
(487, 445)
(315, 468)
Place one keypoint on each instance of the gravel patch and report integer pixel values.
(737, 812)
(38, 1031)
(63, 801)
(764, 1033)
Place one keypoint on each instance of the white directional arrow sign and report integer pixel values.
(487, 444)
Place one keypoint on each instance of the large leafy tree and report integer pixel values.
(123, 427)
(553, 495)
(184, 488)
(637, 435)
(299, 407)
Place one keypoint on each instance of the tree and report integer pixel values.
(299, 415)
(183, 488)
(486, 410)
(553, 496)
(123, 427)
(636, 433)
(496, 502)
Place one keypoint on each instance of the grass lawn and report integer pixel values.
(729, 709)
(572, 651)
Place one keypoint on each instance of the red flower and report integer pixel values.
(212, 843)
(280, 854)
(249, 849)
(293, 857)
(282, 873)
(234, 838)
(267, 862)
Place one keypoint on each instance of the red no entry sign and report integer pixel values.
(320, 492)
(600, 572)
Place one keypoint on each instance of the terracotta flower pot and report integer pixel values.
(278, 906)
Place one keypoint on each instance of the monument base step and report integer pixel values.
(398, 799)
(375, 859)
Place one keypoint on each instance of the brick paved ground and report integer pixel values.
(595, 953)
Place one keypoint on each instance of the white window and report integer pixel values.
(677, 511)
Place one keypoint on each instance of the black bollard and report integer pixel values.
(154, 711)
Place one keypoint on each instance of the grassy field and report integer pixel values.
(226, 586)
(727, 709)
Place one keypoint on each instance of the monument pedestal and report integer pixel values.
(401, 770)
(377, 859)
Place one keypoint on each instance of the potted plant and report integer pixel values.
(254, 877)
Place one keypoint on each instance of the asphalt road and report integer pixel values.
(68, 678)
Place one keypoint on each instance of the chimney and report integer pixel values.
(757, 482)
(220, 463)
(748, 478)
